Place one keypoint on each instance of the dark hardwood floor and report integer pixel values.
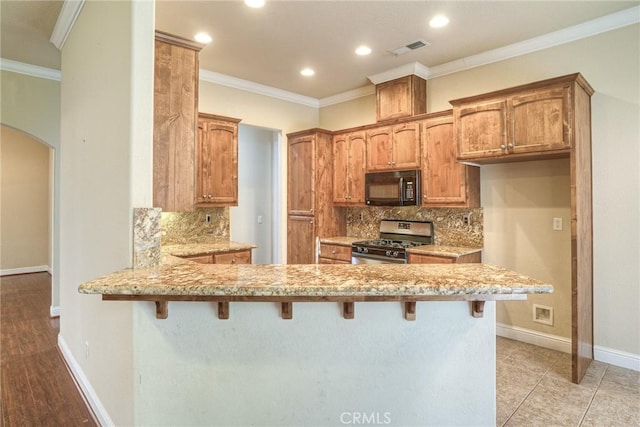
(36, 388)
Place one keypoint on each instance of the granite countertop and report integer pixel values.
(445, 251)
(392, 281)
(341, 240)
(206, 246)
(435, 250)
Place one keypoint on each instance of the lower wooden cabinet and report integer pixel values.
(334, 254)
(301, 240)
(236, 257)
(432, 259)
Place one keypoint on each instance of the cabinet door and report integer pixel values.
(443, 178)
(406, 146)
(379, 147)
(217, 154)
(300, 240)
(242, 257)
(540, 121)
(357, 167)
(301, 175)
(481, 130)
(341, 169)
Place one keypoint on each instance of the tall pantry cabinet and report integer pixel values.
(310, 194)
(175, 113)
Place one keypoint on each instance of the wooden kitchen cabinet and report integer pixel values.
(402, 97)
(394, 147)
(445, 182)
(311, 212)
(334, 254)
(238, 257)
(528, 122)
(349, 157)
(175, 102)
(217, 161)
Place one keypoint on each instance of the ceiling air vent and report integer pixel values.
(409, 47)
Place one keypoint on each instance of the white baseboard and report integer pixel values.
(617, 357)
(554, 342)
(90, 394)
(54, 311)
(24, 270)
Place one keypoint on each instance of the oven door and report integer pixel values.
(375, 259)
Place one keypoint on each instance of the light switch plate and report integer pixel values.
(557, 224)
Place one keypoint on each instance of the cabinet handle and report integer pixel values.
(311, 222)
(389, 162)
(511, 145)
(504, 147)
(233, 261)
(333, 251)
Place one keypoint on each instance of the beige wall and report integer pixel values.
(104, 102)
(32, 105)
(24, 201)
(615, 75)
(358, 112)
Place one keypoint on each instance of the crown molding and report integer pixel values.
(67, 17)
(404, 70)
(236, 83)
(348, 95)
(567, 35)
(30, 70)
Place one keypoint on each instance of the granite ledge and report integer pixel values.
(206, 247)
(319, 282)
(340, 240)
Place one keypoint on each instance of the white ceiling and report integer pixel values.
(270, 45)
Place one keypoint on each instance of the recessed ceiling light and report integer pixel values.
(254, 3)
(363, 50)
(307, 72)
(438, 21)
(202, 38)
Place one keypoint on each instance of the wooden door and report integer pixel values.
(540, 121)
(357, 167)
(481, 130)
(300, 240)
(217, 153)
(406, 146)
(341, 169)
(379, 147)
(443, 178)
(301, 175)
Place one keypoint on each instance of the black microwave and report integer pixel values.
(399, 188)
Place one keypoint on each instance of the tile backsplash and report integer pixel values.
(448, 223)
(184, 227)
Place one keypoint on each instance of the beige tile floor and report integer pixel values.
(534, 389)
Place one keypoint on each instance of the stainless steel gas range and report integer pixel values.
(396, 236)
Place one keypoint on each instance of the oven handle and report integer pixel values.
(383, 259)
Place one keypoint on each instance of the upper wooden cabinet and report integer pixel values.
(175, 101)
(445, 182)
(301, 175)
(520, 123)
(394, 147)
(217, 161)
(349, 150)
(403, 97)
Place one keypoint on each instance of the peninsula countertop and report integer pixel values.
(318, 281)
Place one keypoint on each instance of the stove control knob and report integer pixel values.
(395, 254)
(388, 253)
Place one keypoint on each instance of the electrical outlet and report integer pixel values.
(207, 219)
(361, 216)
(557, 224)
(466, 219)
(543, 314)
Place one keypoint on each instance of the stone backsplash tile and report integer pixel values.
(146, 237)
(448, 224)
(186, 227)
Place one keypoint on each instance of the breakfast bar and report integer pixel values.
(317, 368)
